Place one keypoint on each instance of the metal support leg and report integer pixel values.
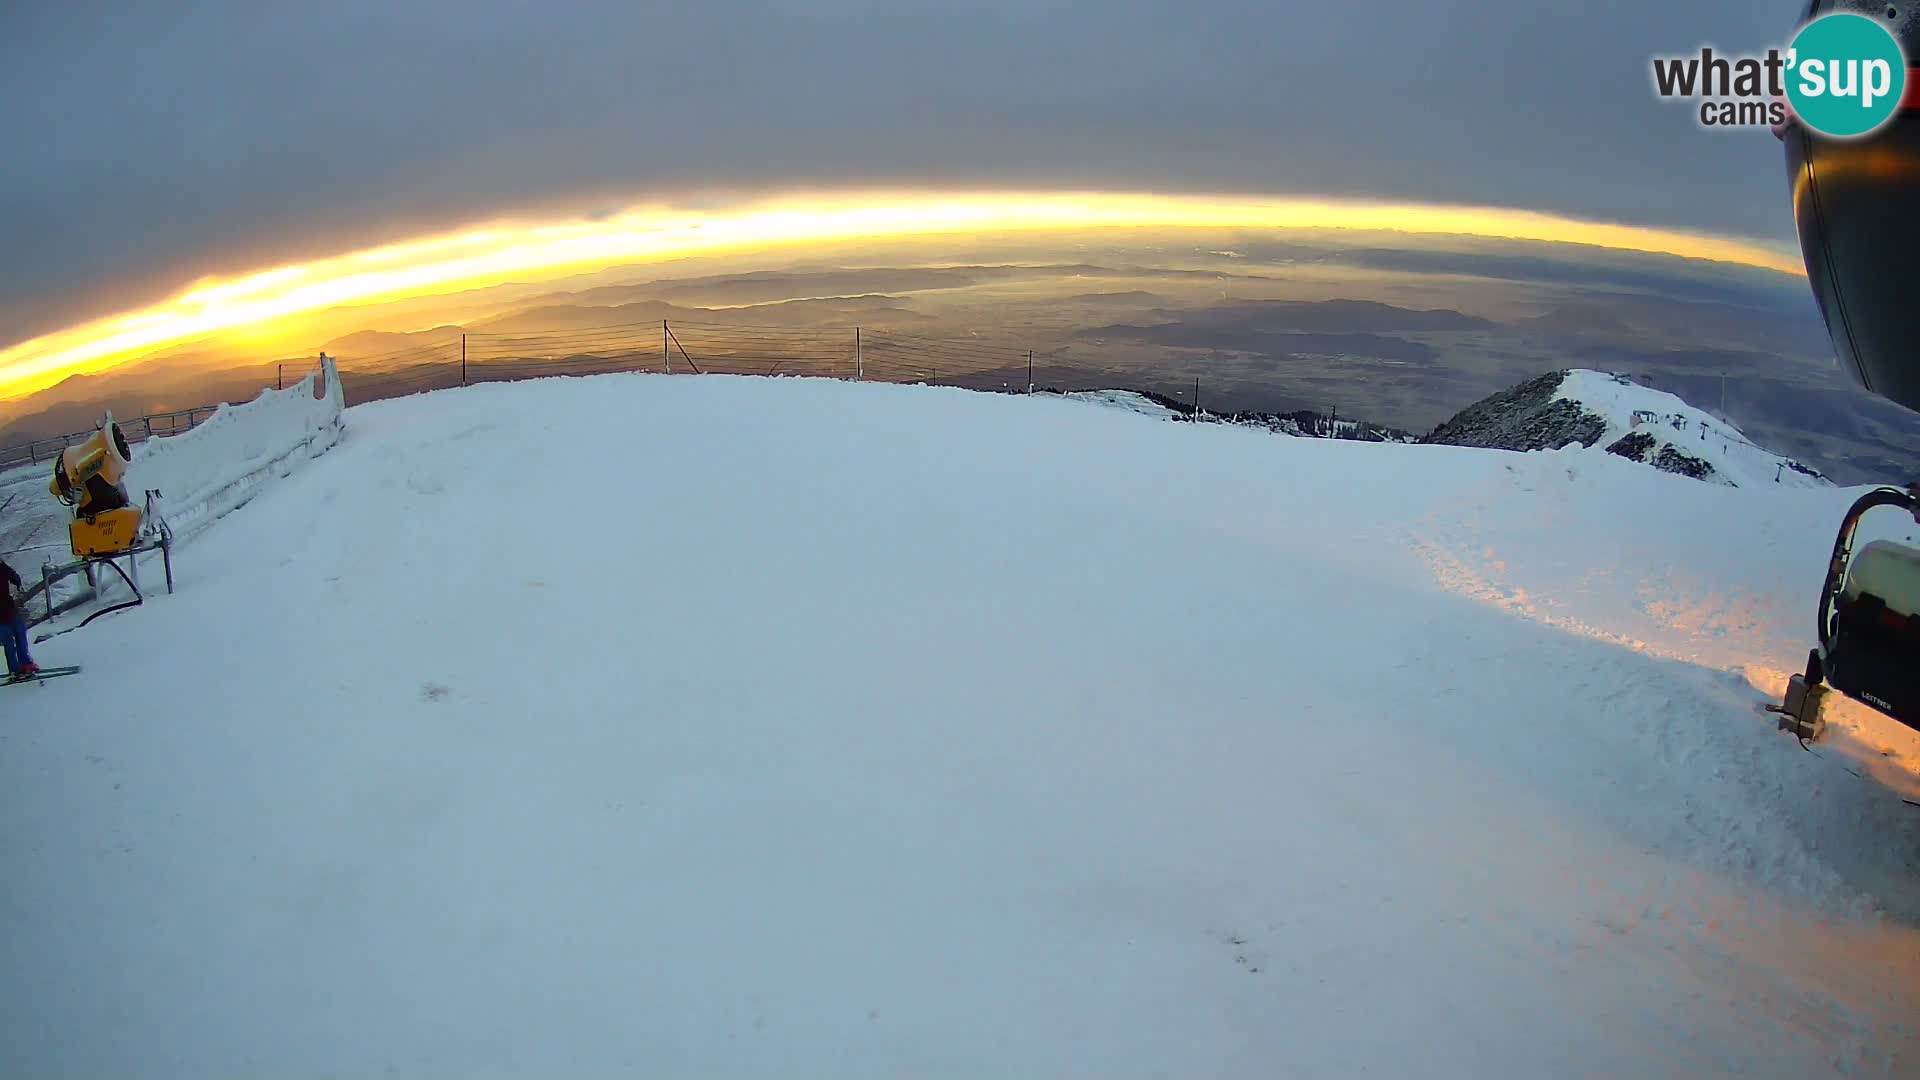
(1800, 714)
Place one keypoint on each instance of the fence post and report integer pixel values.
(666, 358)
(856, 354)
(1196, 397)
(279, 377)
(1029, 371)
(463, 359)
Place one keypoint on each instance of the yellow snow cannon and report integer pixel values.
(87, 478)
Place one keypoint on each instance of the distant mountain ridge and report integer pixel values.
(1595, 408)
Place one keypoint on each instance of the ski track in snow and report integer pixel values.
(750, 727)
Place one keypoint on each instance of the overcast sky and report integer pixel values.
(144, 144)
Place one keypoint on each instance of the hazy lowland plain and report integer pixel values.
(1394, 329)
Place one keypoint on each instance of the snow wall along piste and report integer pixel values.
(222, 462)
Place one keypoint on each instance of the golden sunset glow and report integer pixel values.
(523, 251)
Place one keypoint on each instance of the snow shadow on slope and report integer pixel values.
(1674, 754)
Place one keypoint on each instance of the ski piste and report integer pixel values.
(42, 675)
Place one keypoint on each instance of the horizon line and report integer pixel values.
(511, 249)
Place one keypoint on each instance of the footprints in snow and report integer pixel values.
(1249, 958)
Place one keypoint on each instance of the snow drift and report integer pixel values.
(207, 471)
(1129, 400)
(732, 726)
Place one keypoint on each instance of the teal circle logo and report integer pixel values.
(1846, 75)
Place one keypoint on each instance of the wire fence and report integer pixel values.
(137, 430)
(673, 346)
(711, 346)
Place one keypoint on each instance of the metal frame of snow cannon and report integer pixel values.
(155, 535)
(1867, 647)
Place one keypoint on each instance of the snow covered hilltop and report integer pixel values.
(722, 726)
(1570, 407)
(1593, 408)
(1304, 424)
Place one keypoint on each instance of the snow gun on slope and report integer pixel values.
(87, 478)
(106, 526)
(1859, 224)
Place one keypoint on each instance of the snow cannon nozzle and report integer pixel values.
(87, 478)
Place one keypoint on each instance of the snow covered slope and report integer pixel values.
(1612, 413)
(201, 473)
(1129, 400)
(1303, 424)
(727, 726)
(1660, 428)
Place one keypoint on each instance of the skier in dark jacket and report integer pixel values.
(13, 626)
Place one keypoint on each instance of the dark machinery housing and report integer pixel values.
(1856, 203)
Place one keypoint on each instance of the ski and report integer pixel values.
(43, 675)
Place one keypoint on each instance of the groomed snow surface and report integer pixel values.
(645, 725)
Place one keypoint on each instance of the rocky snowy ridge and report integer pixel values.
(1612, 412)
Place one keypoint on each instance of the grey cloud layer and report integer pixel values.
(147, 143)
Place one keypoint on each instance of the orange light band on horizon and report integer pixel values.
(519, 251)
